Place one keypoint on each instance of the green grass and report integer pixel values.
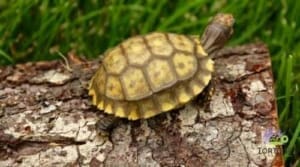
(31, 30)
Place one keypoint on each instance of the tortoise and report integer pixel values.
(158, 72)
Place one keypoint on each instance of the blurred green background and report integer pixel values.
(32, 30)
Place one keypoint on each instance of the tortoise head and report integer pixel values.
(217, 33)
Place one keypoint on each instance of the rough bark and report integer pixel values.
(46, 118)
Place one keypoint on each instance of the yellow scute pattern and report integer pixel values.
(136, 51)
(114, 88)
(181, 42)
(114, 62)
(159, 45)
(160, 74)
(135, 84)
(185, 65)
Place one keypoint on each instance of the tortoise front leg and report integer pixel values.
(106, 124)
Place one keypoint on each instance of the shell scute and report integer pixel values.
(159, 44)
(160, 74)
(136, 51)
(135, 84)
(115, 61)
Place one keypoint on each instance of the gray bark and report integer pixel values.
(46, 118)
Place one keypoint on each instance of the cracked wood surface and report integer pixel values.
(46, 118)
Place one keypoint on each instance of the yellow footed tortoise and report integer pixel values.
(150, 74)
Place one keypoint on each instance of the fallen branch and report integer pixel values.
(46, 119)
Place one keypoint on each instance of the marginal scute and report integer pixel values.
(100, 104)
(203, 76)
(183, 95)
(181, 42)
(199, 49)
(99, 81)
(148, 75)
(135, 84)
(120, 109)
(93, 94)
(159, 44)
(133, 112)
(96, 90)
(185, 65)
(160, 74)
(147, 108)
(166, 100)
(114, 61)
(196, 86)
(136, 51)
(207, 64)
(108, 106)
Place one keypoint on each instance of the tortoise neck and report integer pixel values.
(217, 33)
(214, 38)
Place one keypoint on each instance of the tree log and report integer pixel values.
(46, 118)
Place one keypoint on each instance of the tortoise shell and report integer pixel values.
(147, 75)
